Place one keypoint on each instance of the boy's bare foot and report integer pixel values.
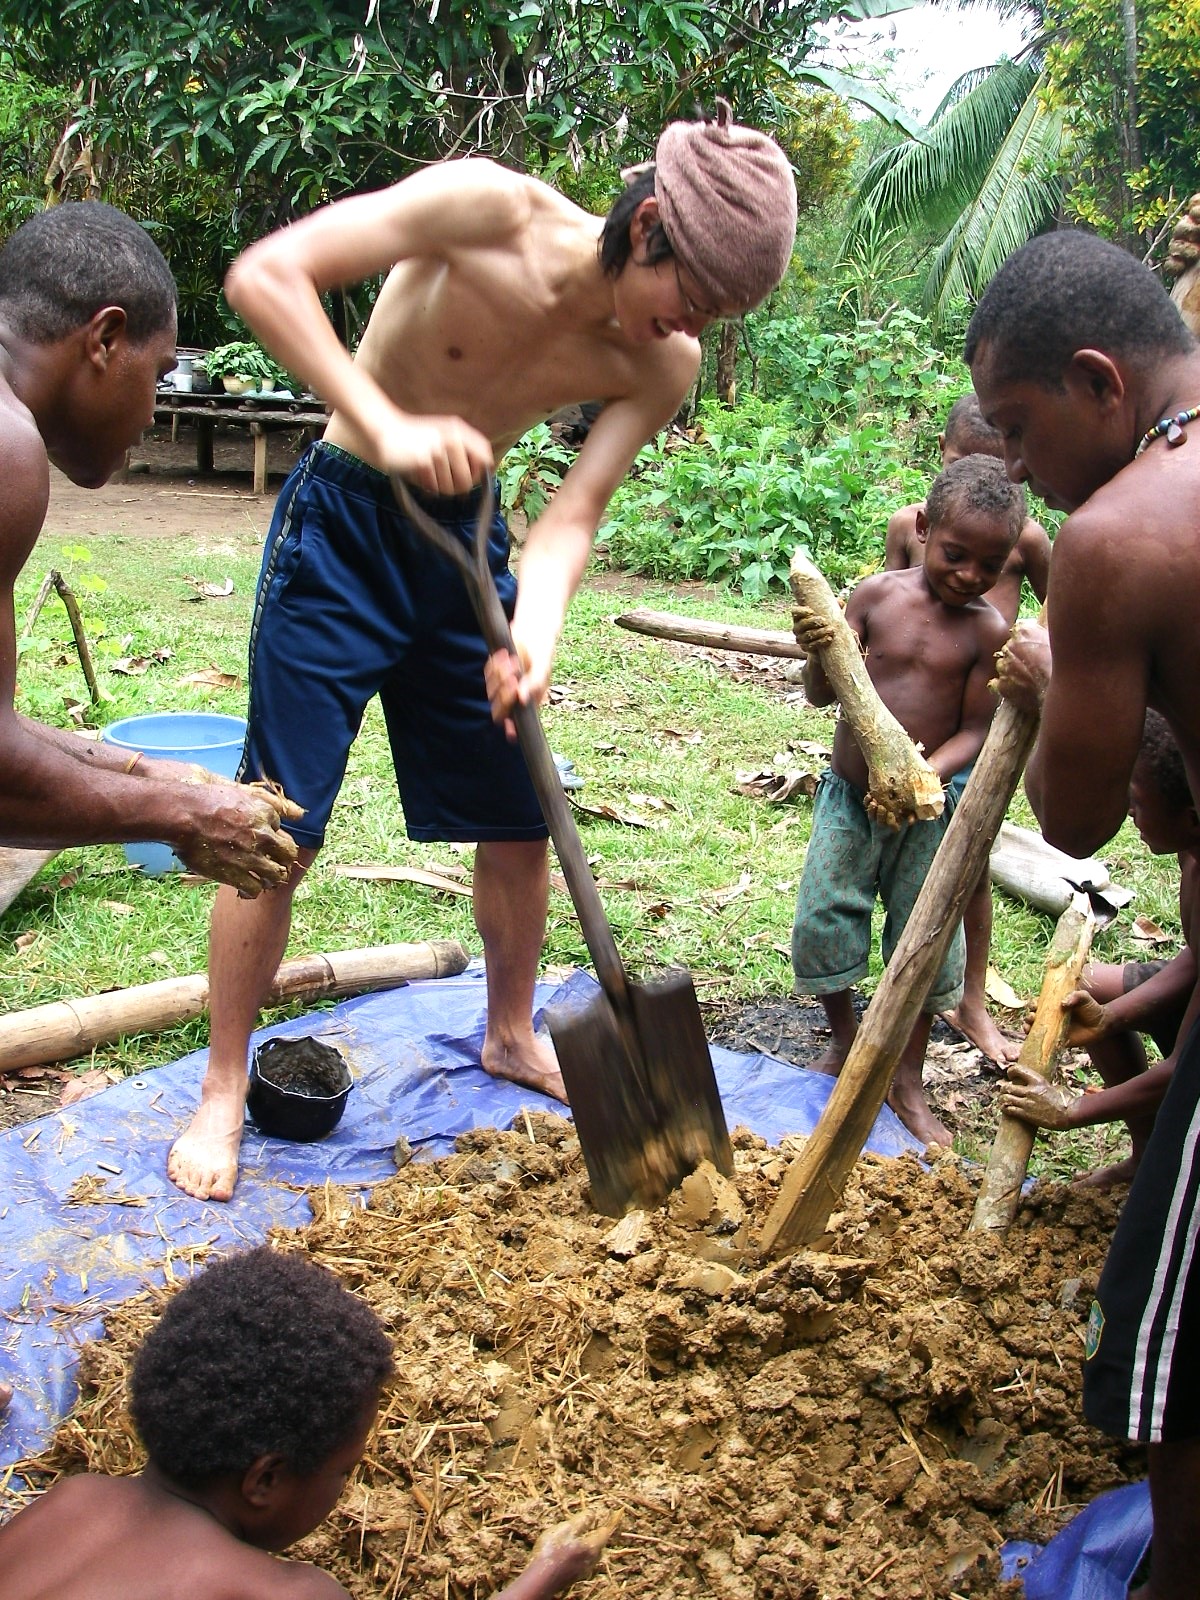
(830, 1061)
(1108, 1177)
(6, 1395)
(204, 1159)
(975, 1023)
(531, 1063)
(914, 1112)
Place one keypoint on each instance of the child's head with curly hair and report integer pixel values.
(262, 1358)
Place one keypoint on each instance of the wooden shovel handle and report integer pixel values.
(481, 587)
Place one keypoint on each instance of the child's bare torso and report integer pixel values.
(919, 654)
(98, 1538)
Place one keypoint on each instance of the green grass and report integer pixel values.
(639, 717)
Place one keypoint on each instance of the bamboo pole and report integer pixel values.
(813, 1184)
(65, 1029)
(1000, 1192)
(902, 786)
(711, 635)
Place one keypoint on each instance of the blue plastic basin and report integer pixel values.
(204, 737)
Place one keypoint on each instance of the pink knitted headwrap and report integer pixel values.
(727, 200)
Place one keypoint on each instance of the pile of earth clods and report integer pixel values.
(869, 1420)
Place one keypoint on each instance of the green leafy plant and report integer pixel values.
(532, 470)
(243, 358)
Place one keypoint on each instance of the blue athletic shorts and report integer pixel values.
(353, 602)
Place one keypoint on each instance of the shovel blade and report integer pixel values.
(643, 1124)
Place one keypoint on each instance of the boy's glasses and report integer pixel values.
(690, 306)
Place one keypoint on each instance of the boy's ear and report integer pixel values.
(644, 219)
(1097, 374)
(261, 1480)
(922, 524)
(104, 331)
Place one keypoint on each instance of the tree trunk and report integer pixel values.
(711, 635)
(902, 785)
(813, 1184)
(1000, 1192)
(727, 350)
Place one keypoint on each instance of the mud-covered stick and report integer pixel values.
(902, 786)
(1000, 1191)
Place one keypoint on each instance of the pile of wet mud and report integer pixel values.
(873, 1418)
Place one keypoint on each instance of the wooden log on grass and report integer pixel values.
(813, 1184)
(1000, 1192)
(902, 786)
(711, 635)
(65, 1029)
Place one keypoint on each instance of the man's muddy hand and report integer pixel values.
(239, 839)
(813, 631)
(1023, 667)
(572, 1548)
(1089, 1019)
(1029, 1098)
(441, 455)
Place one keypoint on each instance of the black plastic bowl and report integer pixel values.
(298, 1089)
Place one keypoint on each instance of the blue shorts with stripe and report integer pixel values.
(352, 602)
(1141, 1379)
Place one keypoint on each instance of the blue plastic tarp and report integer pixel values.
(1096, 1554)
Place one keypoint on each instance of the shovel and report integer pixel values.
(634, 1059)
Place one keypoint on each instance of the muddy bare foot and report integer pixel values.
(204, 1159)
(914, 1112)
(1108, 1177)
(532, 1064)
(975, 1024)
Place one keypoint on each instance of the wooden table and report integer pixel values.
(258, 416)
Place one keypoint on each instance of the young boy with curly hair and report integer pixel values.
(254, 1395)
(967, 434)
(930, 638)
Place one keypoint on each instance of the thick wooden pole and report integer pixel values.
(813, 1184)
(711, 635)
(65, 1029)
(1000, 1192)
(902, 786)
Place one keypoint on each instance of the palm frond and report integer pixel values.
(925, 183)
(864, 94)
(1018, 196)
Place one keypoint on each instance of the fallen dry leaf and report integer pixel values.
(608, 813)
(776, 787)
(382, 873)
(117, 907)
(1147, 931)
(212, 678)
(1002, 993)
(83, 1085)
(209, 591)
(24, 940)
(131, 666)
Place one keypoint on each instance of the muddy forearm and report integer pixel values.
(1138, 1097)
(1139, 1006)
